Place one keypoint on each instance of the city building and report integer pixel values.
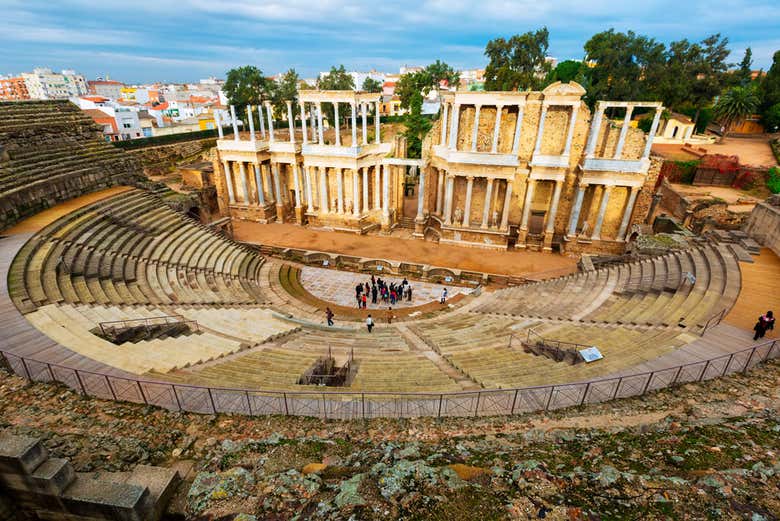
(13, 88)
(43, 83)
(106, 88)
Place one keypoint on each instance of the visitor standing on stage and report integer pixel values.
(369, 323)
(765, 323)
(409, 293)
(444, 295)
(329, 316)
(365, 300)
(373, 294)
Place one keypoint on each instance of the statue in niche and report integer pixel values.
(495, 218)
(335, 203)
(585, 231)
(458, 215)
(348, 205)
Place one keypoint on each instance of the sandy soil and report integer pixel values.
(753, 151)
(412, 250)
(759, 292)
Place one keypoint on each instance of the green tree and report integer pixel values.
(423, 81)
(566, 71)
(770, 85)
(744, 73)
(771, 118)
(286, 88)
(371, 85)
(735, 105)
(417, 126)
(246, 85)
(518, 63)
(336, 79)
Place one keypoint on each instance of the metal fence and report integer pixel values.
(354, 405)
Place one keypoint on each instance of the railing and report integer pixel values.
(714, 320)
(560, 344)
(165, 320)
(353, 405)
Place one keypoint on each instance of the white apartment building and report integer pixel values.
(43, 83)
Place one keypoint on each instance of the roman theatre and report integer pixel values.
(534, 211)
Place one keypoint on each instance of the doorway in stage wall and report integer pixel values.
(536, 223)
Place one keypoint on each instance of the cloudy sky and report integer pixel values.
(184, 40)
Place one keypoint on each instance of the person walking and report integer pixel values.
(409, 293)
(390, 315)
(369, 323)
(373, 294)
(329, 315)
(444, 295)
(765, 323)
(365, 300)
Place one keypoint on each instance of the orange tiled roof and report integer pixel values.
(95, 99)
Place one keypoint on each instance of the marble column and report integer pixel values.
(576, 209)
(475, 130)
(313, 125)
(259, 185)
(621, 236)
(529, 197)
(467, 207)
(488, 199)
(507, 203)
(309, 198)
(386, 192)
(365, 189)
(554, 208)
(595, 127)
(540, 132)
(269, 111)
(340, 190)
(364, 116)
(518, 129)
(236, 137)
(353, 119)
(355, 193)
(570, 134)
(448, 200)
(377, 137)
(602, 211)
(377, 186)
(261, 120)
(454, 127)
(420, 196)
(244, 187)
(623, 132)
(277, 184)
(251, 123)
(439, 190)
(324, 190)
(229, 182)
(290, 121)
(296, 183)
(269, 182)
(496, 129)
(337, 123)
(218, 123)
(304, 137)
(320, 139)
(653, 130)
(444, 111)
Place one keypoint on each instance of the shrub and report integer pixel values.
(745, 180)
(773, 180)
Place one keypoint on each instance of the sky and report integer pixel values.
(139, 41)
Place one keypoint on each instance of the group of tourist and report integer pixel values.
(380, 290)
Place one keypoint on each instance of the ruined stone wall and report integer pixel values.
(164, 158)
(763, 225)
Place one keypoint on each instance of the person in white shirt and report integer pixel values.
(369, 323)
(444, 295)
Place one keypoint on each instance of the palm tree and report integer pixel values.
(735, 105)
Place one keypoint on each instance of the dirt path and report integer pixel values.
(410, 250)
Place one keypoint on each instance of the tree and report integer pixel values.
(417, 126)
(566, 71)
(283, 90)
(735, 105)
(371, 85)
(770, 85)
(518, 63)
(771, 118)
(745, 70)
(336, 79)
(246, 85)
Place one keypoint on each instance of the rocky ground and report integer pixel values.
(700, 451)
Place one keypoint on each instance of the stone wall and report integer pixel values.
(763, 225)
(164, 158)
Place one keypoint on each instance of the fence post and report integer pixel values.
(286, 410)
(677, 375)
(726, 368)
(110, 387)
(585, 394)
(363, 404)
(27, 369)
(549, 399)
(769, 351)
(81, 384)
(140, 390)
(750, 359)
(650, 379)
(703, 371)
(211, 397)
(514, 401)
(176, 395)
(248, 403)
(51, 373)
(441, 399)
(617, 388)
(476, 408)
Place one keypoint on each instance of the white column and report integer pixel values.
(570, 134)
(261, 120)
(540, 132)
(277, 187)
(454, 127)
(377, 138)
(602, 211)
(319, 124)
(269, 182)
(340, 190)
(420, 195)
(444, 110)
(290, 121)
(313, 125)
(296, 183)
(488, 200)
(353, 120)
(475, 130)
(575, 211)
(324, 190)
(235, 122)
(507, 202)
(259, 185)
(305, 138)
(467, 207)
(518, 129)
(623, 133)
(554, 207)
(448, 199)
(270, 113)
(229, 182)
(244, 188)
(309, 199)
(439, 190)
(251, 123)
(627, 213)
(653, 130)
(496, 129)
(386, 192)
(595, 127)
(218, 123)
(337, 123)
(529, 197)
(365, 123)
(355, 193)
(365, 188)
(377, 186)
